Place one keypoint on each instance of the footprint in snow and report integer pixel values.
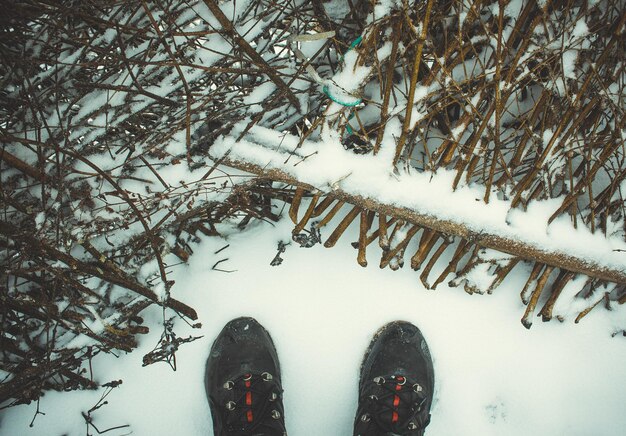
(496, 411)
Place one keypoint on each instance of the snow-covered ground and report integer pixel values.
(493, 377)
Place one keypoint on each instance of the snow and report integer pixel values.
(569, 61)
(382, 8)
(493, 377)
(351, 75)
(581, 30)
(40, 219)
(310, 48)
(260, 93)
(547, 136)
(329, 166)
(457, 131)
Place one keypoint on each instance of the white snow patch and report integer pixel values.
(260, 93)
(581, 29)
(493, 377)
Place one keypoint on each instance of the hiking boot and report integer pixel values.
(243, 382)
(396, 384)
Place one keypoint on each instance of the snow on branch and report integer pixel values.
(572, 254)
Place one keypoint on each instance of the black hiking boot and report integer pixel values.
(243, 382)
(396, 384)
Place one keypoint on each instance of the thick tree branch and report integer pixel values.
(515, 247)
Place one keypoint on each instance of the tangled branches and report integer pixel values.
(524, 98)
(102, 180)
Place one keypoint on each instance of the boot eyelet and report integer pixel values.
(379, 380)
(267, 376)
(229, 385)
(275, 414)
(365, 417)
(417, 388)
(231, 405)
(273, 396)
(373, 398)
(400, 380)
(247, 377)
(412, 426)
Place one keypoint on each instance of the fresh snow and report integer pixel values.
(493, 377)
(326, 165)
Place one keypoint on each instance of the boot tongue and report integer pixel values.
(253, 412)
(396, 401)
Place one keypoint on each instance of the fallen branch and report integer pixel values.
(515, 247)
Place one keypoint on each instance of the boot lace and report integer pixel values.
(255, 407)
(396, 405)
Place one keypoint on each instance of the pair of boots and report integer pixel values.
(245, 393)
